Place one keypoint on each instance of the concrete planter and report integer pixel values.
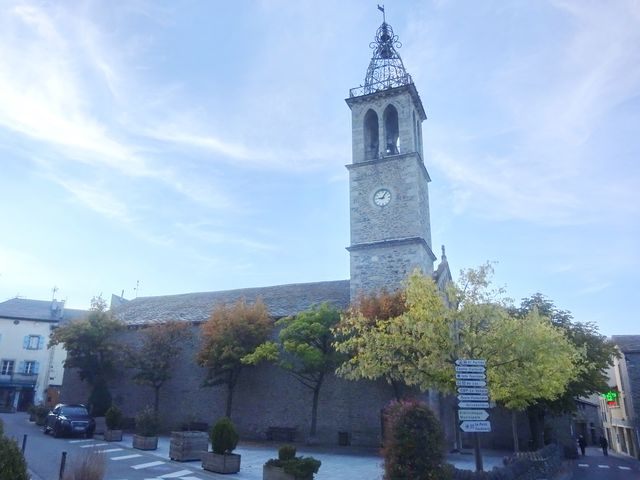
(113, 435)
(145, 443)
(213, 462)
(186, 446)
(270, 472)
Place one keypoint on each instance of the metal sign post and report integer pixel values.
(473, 398)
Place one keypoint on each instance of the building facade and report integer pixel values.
(619, 407)
(30, 372)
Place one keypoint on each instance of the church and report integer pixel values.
(390, 237)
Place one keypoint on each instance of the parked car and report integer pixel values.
(67, 419)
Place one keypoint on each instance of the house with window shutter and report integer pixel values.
(30, 372)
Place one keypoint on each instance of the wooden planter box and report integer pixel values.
(186, 446)
(113, 435)
(145, 443)
(270, 472)
(213, 462)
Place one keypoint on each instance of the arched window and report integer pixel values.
(391, 131)
(371, 142)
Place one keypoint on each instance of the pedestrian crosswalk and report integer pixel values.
(119, 454)
(603, 467)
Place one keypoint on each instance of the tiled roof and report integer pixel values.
(281, 301)
(23, 308)
(627, 343)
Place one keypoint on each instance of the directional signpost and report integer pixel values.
(473, 398)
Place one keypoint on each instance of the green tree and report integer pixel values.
(472, 320)
(304, 349)
(153, 359)
(231, 333)
(93, 349)
(395, 336)
(590, 372)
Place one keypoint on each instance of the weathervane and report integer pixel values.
(384, 18)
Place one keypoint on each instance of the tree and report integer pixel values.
(153, 359)
(420, 346)
(590, 369)
(305, 349)
(382, 337)
(92, 348)
(231, 333)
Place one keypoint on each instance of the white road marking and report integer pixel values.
(180, 473)
(583, 464)
(147, 465)
(81, 441)
(94, 445)
(109, 450)
(189, 478)
(624, 468)
(124, 457)
(603, 466)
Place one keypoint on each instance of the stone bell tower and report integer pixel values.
(388, 181)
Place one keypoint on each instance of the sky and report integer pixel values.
(162, 147)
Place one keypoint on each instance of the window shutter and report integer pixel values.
(25, 342)
(21, 367)
(35, 367)
(40, 342)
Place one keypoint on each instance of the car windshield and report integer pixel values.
(74, 411)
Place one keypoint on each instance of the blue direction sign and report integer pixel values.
(474, 390)
(471, 383)
(472, 415)
(470, 376)
(473, 398)
(474, 405)
(462, 368)
(471, 362)
(476, 426)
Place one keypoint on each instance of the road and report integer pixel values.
(595, 466)
(43, 454)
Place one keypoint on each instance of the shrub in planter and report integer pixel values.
(289, 467)
(113, 419)
(413, 444)
(31, 410)
(90, 466)
(224, 439)
(146, 436)
(41, 413)
(12, 464)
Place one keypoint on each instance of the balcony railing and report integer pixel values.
(19, 380)
(381, 85)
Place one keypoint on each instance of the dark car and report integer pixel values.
(67, 419)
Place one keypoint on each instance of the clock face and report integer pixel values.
(382, 197)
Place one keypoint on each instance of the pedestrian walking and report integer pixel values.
(582, 443)
(605, 445)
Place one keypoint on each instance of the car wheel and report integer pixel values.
(56, 431)
(88, 435)
(45, 430)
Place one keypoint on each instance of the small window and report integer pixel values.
(33, 342)
(29, 367)
(371, 143)
(7, 367)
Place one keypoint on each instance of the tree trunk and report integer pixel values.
(535, 413)
(229, 398)
(156, 400)
(314, 411)
(514, 429)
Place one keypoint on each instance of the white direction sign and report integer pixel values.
(475, 390)
(471, 383)
(476, 426)
(473, 398)
(473, 415)
(470, 376)
(474, 405)
(471, 362)
(462, 368)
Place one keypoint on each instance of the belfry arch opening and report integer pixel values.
(371, 140)
(391, 131)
